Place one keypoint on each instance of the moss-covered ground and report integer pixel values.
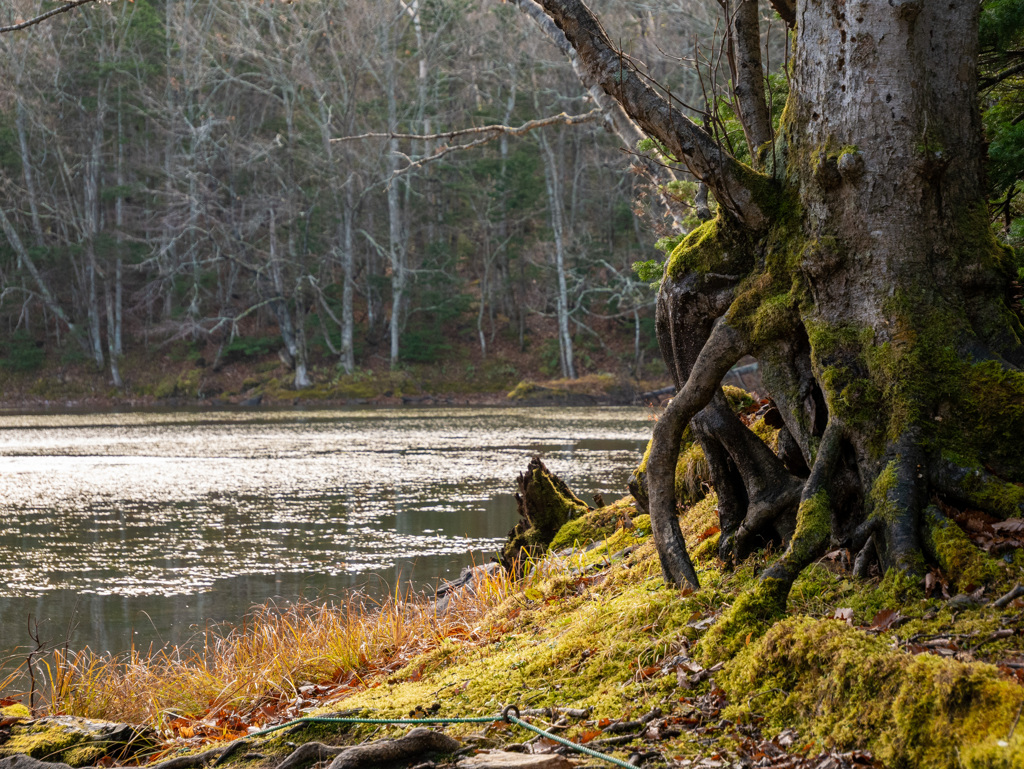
(875, 665)
(934, 683)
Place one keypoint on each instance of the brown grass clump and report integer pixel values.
(278, 662)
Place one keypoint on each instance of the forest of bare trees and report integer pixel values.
(253, 175)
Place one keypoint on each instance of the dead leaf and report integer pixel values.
(708, 533)
(844, 614)
(884, 620)
(544, 745)
(648, 672)
(1010, 526)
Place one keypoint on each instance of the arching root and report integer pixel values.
(755, 490)
(723, 348)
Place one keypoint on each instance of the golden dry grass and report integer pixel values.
(277, 661)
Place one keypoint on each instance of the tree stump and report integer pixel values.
(545, 505)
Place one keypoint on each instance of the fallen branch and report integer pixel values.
(310, 753)
(656, 393)
(1002, 603)
(994, 636)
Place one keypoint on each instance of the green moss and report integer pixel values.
(594, 525)
(768, 435)
(697, 252)
(763, 603)
(1003, 499)
(813, 525)
(849, 689)
(699, 518)
(84, 755)
(706, 550)
(988, 417)
(774, 314)
(738, 398)
(524, 389)
(880, 498)
(693, 476)
(898, 587)
(959, 558)
(15, 711)
(45, 740)
(745, 621)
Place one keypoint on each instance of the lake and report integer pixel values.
(121, 529)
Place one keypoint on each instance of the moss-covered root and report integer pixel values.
(752, 613)
(896, 503)
(756, 609)
(746, 620)
(977, 488)
(958, 557)
(849, 689)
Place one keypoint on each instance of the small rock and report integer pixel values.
(26, 762)
(501, 759)
(963, 601)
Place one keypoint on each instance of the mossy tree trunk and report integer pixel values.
(856, 262)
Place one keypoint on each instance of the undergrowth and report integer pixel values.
(594, 626)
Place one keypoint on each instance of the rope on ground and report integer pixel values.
(515, 719)
(510, 715)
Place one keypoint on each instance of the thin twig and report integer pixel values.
(496, 128)
(44, 16)
(495, 131)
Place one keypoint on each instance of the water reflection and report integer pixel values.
(140, 527)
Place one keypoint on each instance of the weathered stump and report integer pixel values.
(545, 505)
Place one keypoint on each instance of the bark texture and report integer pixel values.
(860, 270)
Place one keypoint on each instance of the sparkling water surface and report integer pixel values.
(140, 528)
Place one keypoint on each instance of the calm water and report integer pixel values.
(139, 528)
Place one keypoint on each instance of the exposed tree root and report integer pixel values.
(898, 494)
(723, 348)
(309, 753)
(977, 488)
(814, 517)
(418, 742)
(755, 490)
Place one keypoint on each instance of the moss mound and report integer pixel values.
(851, 689)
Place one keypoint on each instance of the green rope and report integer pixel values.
(506, 715)
(515, 719)
(380, 721)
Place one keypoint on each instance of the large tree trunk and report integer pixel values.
(861, 270)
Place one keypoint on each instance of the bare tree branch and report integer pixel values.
(492, 132)
(656, 116)
(44, 16)
(615, 116)
(496, 129)
(748, 78)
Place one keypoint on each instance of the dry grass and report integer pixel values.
(279, 661)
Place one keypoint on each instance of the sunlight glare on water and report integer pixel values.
(159, 508)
